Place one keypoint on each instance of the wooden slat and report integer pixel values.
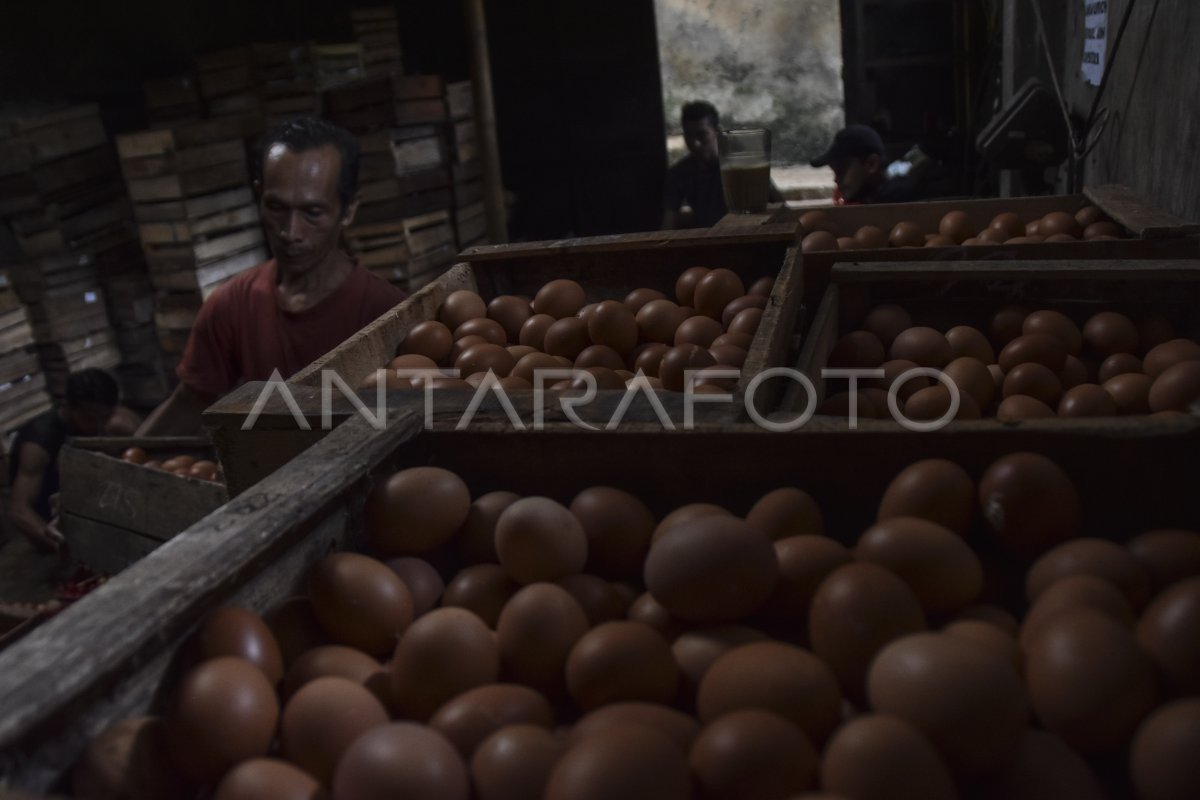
(1136, 212)
(104, 548)
(1139, 269)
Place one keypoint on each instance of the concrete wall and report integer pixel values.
(762, 63)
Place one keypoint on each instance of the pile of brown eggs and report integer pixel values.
(710, 323)
(1087, 224)
(185, 465)
(1027, 365)
(509, 647)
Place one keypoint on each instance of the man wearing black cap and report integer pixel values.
(856, 157)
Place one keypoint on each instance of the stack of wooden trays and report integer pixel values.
(66, 205)
(284, 73)
(171, 100)
(335, 64)
(228, 82)
(378, 31)
(22, 384)
(196, 215)
(470, 221)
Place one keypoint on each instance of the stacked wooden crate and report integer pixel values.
(22, 383)
(195, 212)
(287, 83)
(65, 204)
(470, 220)
(228, 83)
(171, 100)
(335, 64)
(378, 31)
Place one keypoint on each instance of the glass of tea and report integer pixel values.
(745, 169)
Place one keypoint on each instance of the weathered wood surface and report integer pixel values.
(105, 548)
(1136, 212)
(108, 654)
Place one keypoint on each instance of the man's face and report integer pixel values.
(300, 207)
(856, 175)
(88, 419)
(701, 139)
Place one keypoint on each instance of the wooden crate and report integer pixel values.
(608, 267)
(943, 295)
(114, 653)
(114, 513)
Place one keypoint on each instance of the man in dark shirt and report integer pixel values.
(33, 469)
(859, 169)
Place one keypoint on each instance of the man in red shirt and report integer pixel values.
(286, 312)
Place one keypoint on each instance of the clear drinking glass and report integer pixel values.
(745, 169)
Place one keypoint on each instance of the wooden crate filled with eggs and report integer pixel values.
(657, 302)
(122, 497)
(398, 613)
(1043, 344)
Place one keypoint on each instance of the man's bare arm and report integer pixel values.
(34, 461)
(179, 414)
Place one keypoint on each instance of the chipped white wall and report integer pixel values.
(762, 63)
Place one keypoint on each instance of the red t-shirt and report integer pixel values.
(242, 334)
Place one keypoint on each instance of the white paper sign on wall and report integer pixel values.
(1095, 39)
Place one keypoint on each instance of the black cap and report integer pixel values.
(851, 141)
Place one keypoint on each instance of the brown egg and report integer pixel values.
(585, 313)
(933, 403)
(906, 234)
(715, 291)
(648, 611)
(676, 361)
(489, 329)
(786, 512)
(184, 462)
(816, 220)
(267, 779)
(460, 307)
(753, 753)
(127, 759)
(1009, 224)
(471, 717)
(883, 603)
(224, 712)
(476, 537)
(416, 509)
(1080, 590)
(679, 728)
(1087, 400)
(658, 320)
(538, 539)
(847, 243)
(1059, 222)
(596, 596)
(424, 583)
(887, 322)
(1058, 238)
(1074, 373)
(762, 287)
(329, 661)
(1043, 767)
(533, 331)
(511, 312)
(1038, 348)
(484, 358)
(1088, 680)
(1168, 555)
(975, 241)
(1177, 388)
(894, 369)
(612, 324)
(135, 455)
(739, 304)
(856, 350)
(639, 297)
(412, 361)
(321, 720)
(742, 340)
(567, 337)
(647, 357)
(620, 661)
(992, 236)
(747, 321)
(872, 755)
(1056, 324)
(1006, 324)
(1034, 228)
(1119, 364)
(935, 489)
(482, 589)
(711, 569)
(1164, 356)
(687, 513)
(359, 602)
(1021, 406)
(528, 365)
(1089, 556)
(970, 704)
(456, 350)
(1033, 380)
(627, 761)
(515, 762)
(728, 354)
(599, 355)
(869, 237)
(818, 241)
(1162, 757)
(992, 615)
(442, 654)
(990, 637)
(941, 569)
(536, 631)
(560, 299)
(618, 527)
(699, 331)
(923, 346)
(1029, 503)
(685, 285)
(1099, 229)
(1169, 632)
(937, 240)
(1107, 333)
(233, 631)
(956, 225)
(1089, 215)
(972, 377)
(402, 759)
